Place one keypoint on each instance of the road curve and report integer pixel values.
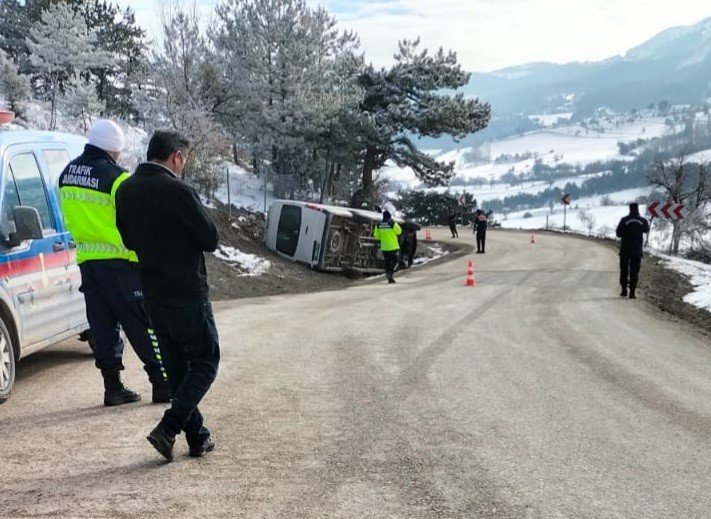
(537, 393)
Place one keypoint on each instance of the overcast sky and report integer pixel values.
(492, 34)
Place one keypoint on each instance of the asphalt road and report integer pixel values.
(537, 393)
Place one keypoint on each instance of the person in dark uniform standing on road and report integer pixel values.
(480, 225)
(631, 230)
(109, 271)
(163, 220)
(387, 232)
(452, 219)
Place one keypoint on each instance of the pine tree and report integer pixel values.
(13, 85)
(408, 100)
(81, 101)
(61, 45)
(281, 96)
(14, 24)
(117, 35)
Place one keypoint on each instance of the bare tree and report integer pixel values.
(683, 183)
(587, 219)
(183, 74)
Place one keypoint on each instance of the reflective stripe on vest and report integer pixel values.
(90, 216)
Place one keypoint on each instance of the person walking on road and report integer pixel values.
(387, 232)
(163, 220)
(480, 225)
(631, 230)
(452, 219)
(109, 271)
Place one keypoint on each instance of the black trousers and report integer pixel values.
(453, 228)
(391, 259)
(480, 241)
(629, 270)
(191, 354)
(113, 296)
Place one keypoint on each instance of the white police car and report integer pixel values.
(40, 302)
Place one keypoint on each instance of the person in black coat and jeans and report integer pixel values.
(480, 225)
(452, 219)
(631, 230)
(163, 220)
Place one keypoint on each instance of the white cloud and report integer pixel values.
(492, 34)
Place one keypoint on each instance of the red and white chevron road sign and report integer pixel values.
(565, 199)
(668, 210)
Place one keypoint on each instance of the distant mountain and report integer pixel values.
(674, 66)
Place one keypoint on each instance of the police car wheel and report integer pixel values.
(7, 363)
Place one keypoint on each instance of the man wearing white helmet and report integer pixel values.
(109, 271)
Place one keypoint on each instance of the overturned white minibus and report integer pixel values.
(328, 238)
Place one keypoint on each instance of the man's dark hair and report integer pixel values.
(634, 208)
(164, 143)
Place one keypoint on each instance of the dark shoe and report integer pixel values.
(391, 280)
(120, 396)
(162, 442)
(161, 392)
(632, 296)
(199, 451)
(115, 393)
(623, 293)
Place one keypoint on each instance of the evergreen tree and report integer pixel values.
(81, 101)
(13, 85)
(14, 25)
(284, 89)
(60, 45)
(408, 100)
(123, 41)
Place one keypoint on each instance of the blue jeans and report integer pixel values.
(191, 353)
(113, 295)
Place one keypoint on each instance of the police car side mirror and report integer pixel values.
(28, 225)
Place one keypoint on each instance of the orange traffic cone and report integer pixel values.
(533, 238)
(470, 275)
(428, 234)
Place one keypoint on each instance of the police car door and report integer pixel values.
(33, 269)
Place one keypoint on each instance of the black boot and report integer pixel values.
(161, 391)
(632, 295)
(624, 292)
(115, 393)
(162, 441)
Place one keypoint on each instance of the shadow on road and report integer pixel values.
(49, 358)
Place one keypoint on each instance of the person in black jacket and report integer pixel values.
(480, 225)
(452, 219)
(162, 219)
(631, 230)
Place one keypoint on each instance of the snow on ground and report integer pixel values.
(700, 157)
(571, 144)
(502, 190)
(699, 275)
(245, 189)
(551, 119)
(248, 264)
(604, 214)
(438, 252)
